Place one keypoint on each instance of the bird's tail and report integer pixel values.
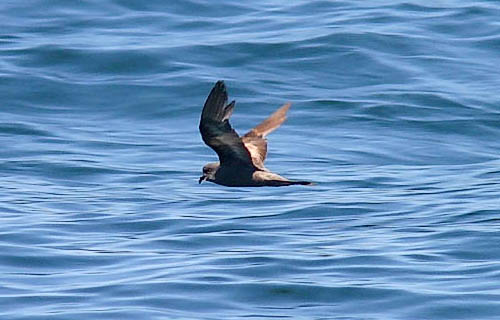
(304, 183)
(281, 183)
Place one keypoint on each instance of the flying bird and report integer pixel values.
(241, 159)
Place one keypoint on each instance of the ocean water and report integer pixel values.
(395, 116)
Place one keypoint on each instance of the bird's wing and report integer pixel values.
(216, 131)
(255, 140)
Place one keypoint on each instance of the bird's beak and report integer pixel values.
(202, 178)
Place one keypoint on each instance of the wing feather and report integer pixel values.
(255, 140)
(216, 131)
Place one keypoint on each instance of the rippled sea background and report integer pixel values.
(395, 116)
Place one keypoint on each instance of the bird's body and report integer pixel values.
(247, 177)
(241, 159)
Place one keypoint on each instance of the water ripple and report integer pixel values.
(395, 118)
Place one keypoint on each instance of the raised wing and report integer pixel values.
(216, 131)
(255, 140)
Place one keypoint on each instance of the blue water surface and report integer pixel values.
(395, 116)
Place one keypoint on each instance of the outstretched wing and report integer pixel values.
(216, 131)
(255, 140)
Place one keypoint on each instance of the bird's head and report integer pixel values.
(209, 171)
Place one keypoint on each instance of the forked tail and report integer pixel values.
(281, 183)
(304, 183)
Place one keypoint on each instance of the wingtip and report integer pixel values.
(216, 108)
(219, 89)
(283, 110)
(220, 84)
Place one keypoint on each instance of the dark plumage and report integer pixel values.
(241, 159)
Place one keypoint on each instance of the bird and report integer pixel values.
(241, 159)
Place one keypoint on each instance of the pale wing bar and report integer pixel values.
(255, 140)
(271, 123)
